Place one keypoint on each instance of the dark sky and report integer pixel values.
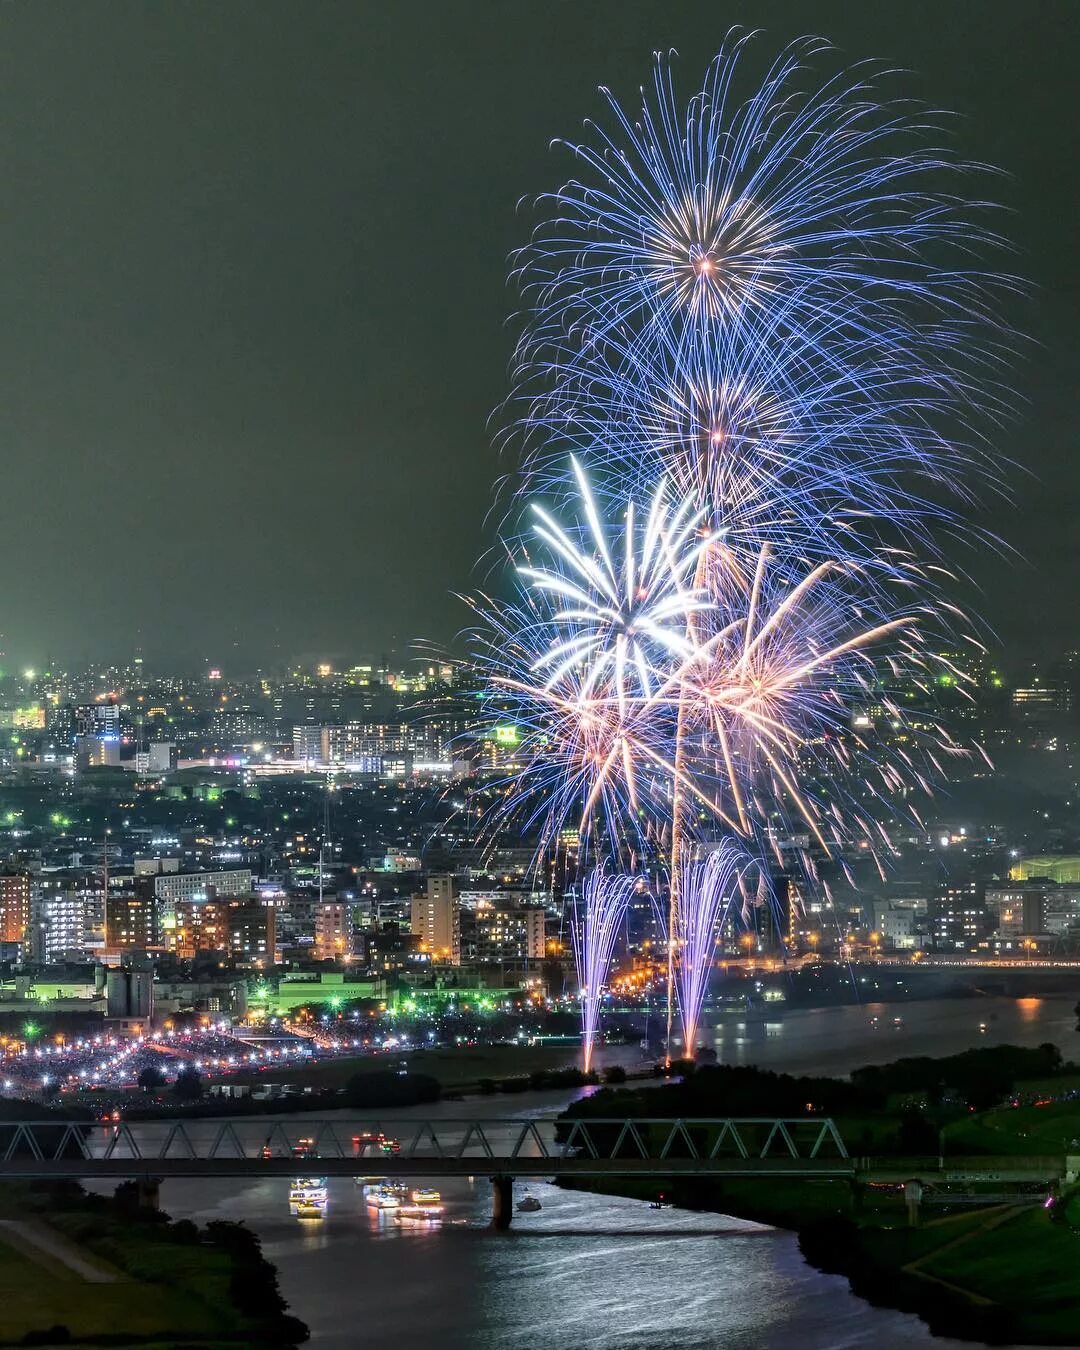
(253, 296)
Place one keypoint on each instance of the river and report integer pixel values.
(836, 1040)
(590, 1270)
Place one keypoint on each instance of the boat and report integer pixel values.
(369, 1181)
(422, 1204)
(386, 1197)
(528, 1205)
(308, 1209)
(307, 1194)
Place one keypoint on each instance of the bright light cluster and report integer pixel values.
(751, 395)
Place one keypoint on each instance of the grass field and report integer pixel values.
(37, 1294)
(454, 1067)
(1003, 1257)
(1053, 1128)
(165, 1293)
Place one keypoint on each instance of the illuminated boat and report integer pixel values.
(423, 1204)
(386, 1197)
(307, 1195)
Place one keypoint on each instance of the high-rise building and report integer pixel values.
(895, 924)
(252, 931)
(436, 919)
(1031, 908)
(15, 910)
(496, 932)
(65, 919)
(1017, 909)
(158, 757)
(958, 917)
(97, 719)
(131, 921)
(333, 930)
(97, 752)
(503, 925)
(170, 889)
(200, 926)
(244, 928)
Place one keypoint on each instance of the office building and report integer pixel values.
(170, 888)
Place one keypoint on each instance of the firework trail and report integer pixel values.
(594, 929)
(709, 887)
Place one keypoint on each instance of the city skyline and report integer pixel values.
(254, 429)
(539, 679)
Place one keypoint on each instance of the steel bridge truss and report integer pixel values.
(81, 1148)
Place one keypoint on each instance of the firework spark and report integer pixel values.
(597, 919)
(580, 659)
(761, 312)
(709, 887)
(817, 208)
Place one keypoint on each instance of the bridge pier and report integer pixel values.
(149, 1193)
(502, 1201)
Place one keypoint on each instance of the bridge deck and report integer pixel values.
(762, 1147)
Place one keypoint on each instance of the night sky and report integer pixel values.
(253, 260)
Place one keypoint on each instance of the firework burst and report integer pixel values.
(760, 312)
(756, 203)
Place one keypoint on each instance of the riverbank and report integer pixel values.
(1004, 1275)
(84, 1270)
(991, 1262)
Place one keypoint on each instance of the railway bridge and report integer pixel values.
(501, 1148)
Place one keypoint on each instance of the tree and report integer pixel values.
(151, 1078)
(384, 1088)
(188, 1086)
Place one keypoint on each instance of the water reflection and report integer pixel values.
(603, 1272)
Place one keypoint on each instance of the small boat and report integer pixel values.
(386, 1197)
(307, 1195)
(528, 1205)
(423, 1204)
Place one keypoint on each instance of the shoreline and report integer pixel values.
(834, 1246)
